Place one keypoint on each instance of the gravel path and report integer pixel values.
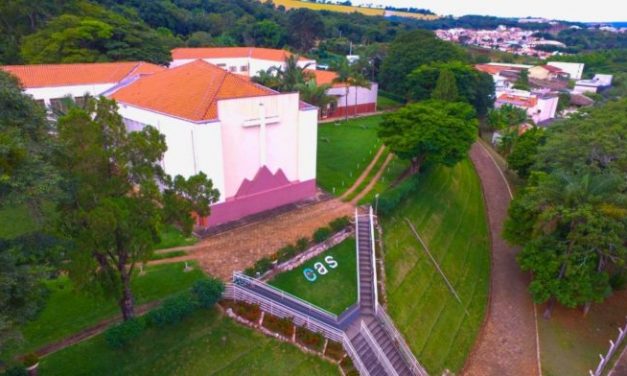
(235, 250)
(508, 342)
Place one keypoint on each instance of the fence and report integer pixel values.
(404, 349)
(236, 292)
(244, 280)
(622, 332)
(357, 255)
(378, 351)
(375, 289)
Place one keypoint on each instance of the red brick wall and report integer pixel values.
(353, 110)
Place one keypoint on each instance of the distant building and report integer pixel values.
(249, 61)
(597, 83)
(575, 70)
(547, 72)
(539, 106)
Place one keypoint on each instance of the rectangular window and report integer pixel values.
(233, 69)
(222, 66)
(243, 68)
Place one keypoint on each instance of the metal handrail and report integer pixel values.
(406, 352)
(357, 256)
(375, 287)
(378, 351)
(350, 350)
(285, 295)
(329, 331)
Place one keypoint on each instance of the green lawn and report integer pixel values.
(384, 103)
(68, 311)
(448, 212)
(396, 167)
(203, 344)
(172, 237)
(334, 291)
(344, 151)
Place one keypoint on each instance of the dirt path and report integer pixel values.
(90, 332)
(222, 254)
(364, 174)
(508, 342)
(374, 180)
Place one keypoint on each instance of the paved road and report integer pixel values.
(507, 344)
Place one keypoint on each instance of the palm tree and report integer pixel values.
(293, 74)
(316, 95)
(267, 78)
(348, 77)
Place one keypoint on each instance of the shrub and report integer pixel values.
(390, 199)
(283, 326)
(287, 253)
(172, 311)
(334, 350)
(250, 271)
(263, 265)
(206, 292)
(250, 312)
(302, 244)
(339, 223)
(313, 340)
(321, 234)
(348, 367)
(122, 334)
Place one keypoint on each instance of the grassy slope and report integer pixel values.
(344, 151)
(172, 237)
(68, 311)
(205, 343)
(335, 291)
(448, 213)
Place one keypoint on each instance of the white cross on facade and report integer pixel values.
(262, 122)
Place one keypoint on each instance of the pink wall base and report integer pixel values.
(242, 206)
(353, 110)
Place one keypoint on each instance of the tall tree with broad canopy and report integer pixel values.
(118, 197)
(27, 179)
(524, 151)
(445, 87)
(411, 50)
(304, 27)
(430, 132)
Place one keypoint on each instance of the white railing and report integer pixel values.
(350, 350)
(404, 349)
(622, 332)
(235, 292)
(357, 255)
(237, 276)
(375, 287)
(378, 351)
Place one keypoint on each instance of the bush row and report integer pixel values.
(289, 251)
(250, 312)
(390, 199)
(312, 340)
(203, 294)
(283, 326)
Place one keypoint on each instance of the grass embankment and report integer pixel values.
(205, 343)
(448, 212)
(68, 311)
(335, 291)
(385, 103)
(344, 151)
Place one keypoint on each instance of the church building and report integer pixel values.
(258, 146)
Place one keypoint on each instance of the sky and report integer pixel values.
(568, 10)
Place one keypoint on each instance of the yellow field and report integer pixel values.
(412, 15)
(290, 4)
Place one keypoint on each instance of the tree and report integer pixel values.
(199, 39)
(349, 77)
(102, 36)
(26, 179)
(506, 116)
(410, 51)
(572, 228)
(430, 132)
(316, 95)
(446, 87)
(267, 34)
(523, 154)
(522, 83)
(114, 205)
(304, 27)
(474, 87)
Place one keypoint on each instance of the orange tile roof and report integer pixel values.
(517, 100)
(232, 52)
(323, 76)
(51, 75)
(190, 91)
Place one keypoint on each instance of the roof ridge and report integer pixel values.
(203, 110)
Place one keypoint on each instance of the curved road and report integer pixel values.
(507, 344)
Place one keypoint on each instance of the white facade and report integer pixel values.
(575, 70)
(356, 95)
(245, 66)
(57, 92)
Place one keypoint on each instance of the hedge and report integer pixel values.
(122, 334)
(322, 234)
(339, 223)
(283, 326)
(314, 341)
(207, 292)
(172, 311)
